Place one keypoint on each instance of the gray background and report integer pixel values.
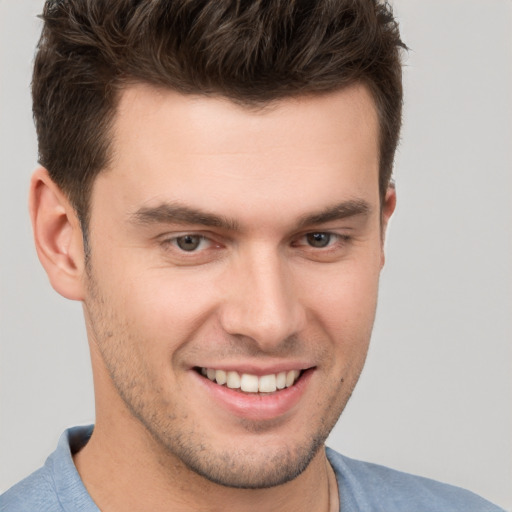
(436, 395)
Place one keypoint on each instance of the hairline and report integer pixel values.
(251, 105)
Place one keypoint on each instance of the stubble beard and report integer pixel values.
(187, 443)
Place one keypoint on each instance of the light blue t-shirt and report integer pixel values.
(363, 487)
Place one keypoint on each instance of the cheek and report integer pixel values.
(342, 303)
(343, 296)
(164, 306)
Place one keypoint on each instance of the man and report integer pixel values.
(216, 191)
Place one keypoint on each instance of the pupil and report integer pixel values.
(188, 242)
(318, 239)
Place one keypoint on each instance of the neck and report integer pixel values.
(135, 473)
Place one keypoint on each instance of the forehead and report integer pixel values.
(213, 123)
(212, 153)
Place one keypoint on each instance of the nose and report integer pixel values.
(262, 301)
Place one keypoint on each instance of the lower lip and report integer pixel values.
(256, 406)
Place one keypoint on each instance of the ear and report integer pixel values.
(57, 236)
(387, 210)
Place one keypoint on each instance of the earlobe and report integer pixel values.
(387, 211)
(57, 235)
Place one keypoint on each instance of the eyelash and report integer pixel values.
(335, 240)
(174, 241)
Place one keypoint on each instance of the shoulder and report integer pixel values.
(36, 492)
(367, 486)
(56, 487)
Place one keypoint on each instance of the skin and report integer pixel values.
(254, 294)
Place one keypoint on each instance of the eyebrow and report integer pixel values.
(171, 213)
(340, 211)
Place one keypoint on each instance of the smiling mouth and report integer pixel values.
(250, 383)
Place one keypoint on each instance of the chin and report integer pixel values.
(259, 469)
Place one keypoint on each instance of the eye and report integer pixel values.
(319, 240)
(323, 246)
(190, 243)
(190, 249)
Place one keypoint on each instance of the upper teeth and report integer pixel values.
(252, 383)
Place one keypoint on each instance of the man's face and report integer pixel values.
(246, 245)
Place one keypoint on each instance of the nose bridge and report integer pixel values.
(262, 303)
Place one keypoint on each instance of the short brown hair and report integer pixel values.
(251, 51)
